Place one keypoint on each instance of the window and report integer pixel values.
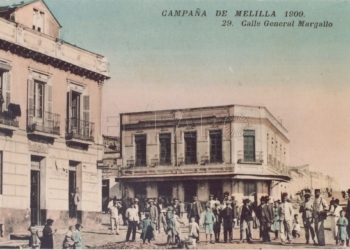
(38, 20)
(5, 86)
(165, 148)
(249, 187)
(140, 141)
(190, 147)
(1, 172)
(215, 146)
(249, 145)
(38, 99)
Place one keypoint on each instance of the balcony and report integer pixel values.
(257, 158)
(8, 122)
(80, 131)
(176, 171)
(43, 123)
(277, 165)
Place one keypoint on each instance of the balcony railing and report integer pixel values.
(257, 158)
(79, 129)
(7, 119)
(207, 169)
(277, 165)
(42, 121)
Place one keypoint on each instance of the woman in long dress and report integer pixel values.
(171, 230)
(47, 240)
(276, 218)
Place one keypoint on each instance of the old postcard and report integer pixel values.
(174, 124)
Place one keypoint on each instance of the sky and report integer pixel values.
(300, 74)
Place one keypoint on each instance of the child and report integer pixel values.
(193, 231)
(342, 224)
(78, 240)
(147, 229)
(34, 241)
(182, 209)
(296, 227)
(209, 220)
(68, 242)
(178, 221)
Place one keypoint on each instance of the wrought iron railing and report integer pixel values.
(277, 165)
(257, 158)
(79, 129)
(42, 121)
(195, 170)
(7, 119)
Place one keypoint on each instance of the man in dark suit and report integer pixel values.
(194, 210)
(246, 225)
(262, 212)
(227, 219)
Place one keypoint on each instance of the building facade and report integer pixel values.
(242, 150)
(50, 134)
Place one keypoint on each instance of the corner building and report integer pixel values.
(50, 134)
(180, 153)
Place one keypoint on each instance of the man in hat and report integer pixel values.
(217, 224)
(227, 217)
(114, 217)
(225, 199)
(306, 210)
(246, 226)
(211, 202)
(153, 213)
(194, 210)
(265, 218)
(286, 219)
(320, 209)
(132, 216)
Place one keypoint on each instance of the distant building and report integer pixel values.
(50, 134)
(242, 150)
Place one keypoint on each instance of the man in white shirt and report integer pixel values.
(320, 209)
(114, 216)
(286, 219)
(132, 216)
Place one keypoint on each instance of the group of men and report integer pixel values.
(272, 215)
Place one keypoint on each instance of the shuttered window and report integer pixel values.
(190, 147)
(5, 81)
(215, 146)
(165, 148)
(249, 145)
(140, 142)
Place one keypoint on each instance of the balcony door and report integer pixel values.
(249, 145)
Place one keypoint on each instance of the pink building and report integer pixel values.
(50, 134)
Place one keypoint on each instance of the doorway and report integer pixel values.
(35, 196)
(215, 188)
(190, 188)
(72, 189)
(105, 195)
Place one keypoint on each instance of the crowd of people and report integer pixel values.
(270, 216)
(72, 239)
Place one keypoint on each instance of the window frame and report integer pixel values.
(216, 156)
(140, 161)
(249, 155)
(190, 143)
(167, 155)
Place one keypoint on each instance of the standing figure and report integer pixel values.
(132, 216)
(171, 230)
(286, 219)
(153, 213)
(194, 211)
(78, 240)
(276, 219)
(208, 224)
(182, 209)
(68, 242)
(227, 218)
(34, 241)
(193, 231)
(347, 212)
(147, 228)
(246, 226)
(234, 210)
(217, 223)
(306, 210)
(47, 240)
(264, 217)
(296, 227)
(114, 217)
(320, 215)
(335, 214)
(342, 224)
(211, 202)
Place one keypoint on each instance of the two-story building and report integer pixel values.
(180, 153)
(50, 115)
